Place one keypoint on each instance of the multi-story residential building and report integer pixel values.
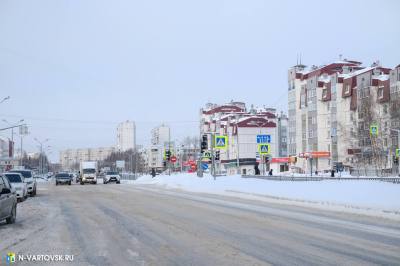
(160, 141)
(126, 136)
(71, 158)
(331, 110)
(160, 135)
(241, 128)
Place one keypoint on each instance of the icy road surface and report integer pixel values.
(148, 225)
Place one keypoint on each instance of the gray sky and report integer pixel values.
(74, 69)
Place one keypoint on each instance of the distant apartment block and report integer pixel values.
(126, 136)
(70, 158)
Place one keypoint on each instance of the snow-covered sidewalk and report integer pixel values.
(355, 195)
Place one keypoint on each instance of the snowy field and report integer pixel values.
(356, 196)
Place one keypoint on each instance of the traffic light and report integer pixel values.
(217, 153)
(204, 143)
(395, 160)
(168, 155)
(164, 163)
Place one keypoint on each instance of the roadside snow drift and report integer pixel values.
(365, 194)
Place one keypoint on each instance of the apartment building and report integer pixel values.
(126, 136)
(331, 110)
(242, 126)
(70, 158)
(160, 141)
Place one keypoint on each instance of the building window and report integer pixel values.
(324, 93)
(347, 89)
(385, 109)
(380, 93)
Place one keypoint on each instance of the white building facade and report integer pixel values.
(70, 158)
(126, 136)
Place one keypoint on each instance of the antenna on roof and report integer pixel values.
(340, 57)
(297, 59)
(300, 58)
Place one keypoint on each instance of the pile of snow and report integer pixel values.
(357, 193)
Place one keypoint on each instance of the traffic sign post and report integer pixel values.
(264, 148)
(373, 130)
(221, 142)
(173, 159)
(263, 139)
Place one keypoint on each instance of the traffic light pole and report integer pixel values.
(212, 156)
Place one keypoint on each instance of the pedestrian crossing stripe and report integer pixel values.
(221, 142)
(264, 148)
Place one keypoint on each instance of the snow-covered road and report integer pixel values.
(150, 225)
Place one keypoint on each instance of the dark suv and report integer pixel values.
(8, 201)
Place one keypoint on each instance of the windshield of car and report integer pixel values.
(112, 173)
(14, 178)
(25, 174)
(89, 171)
(62, 175)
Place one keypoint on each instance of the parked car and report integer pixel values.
(110, 176)
(29, 179)
(17, 182)
(8, 201)
(63, 178)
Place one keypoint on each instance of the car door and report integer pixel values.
(3, 200)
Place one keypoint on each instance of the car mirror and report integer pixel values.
(5, 191)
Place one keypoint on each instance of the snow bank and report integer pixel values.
(366, 194)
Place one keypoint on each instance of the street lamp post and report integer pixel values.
(5, 99)
(41, 153)
(12, 130)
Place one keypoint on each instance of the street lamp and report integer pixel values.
(5, 99)
(41, 153)
(12, 128)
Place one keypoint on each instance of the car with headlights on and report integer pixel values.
(111, 176)
(17, 182)
(8, 201)
(63, 178)
(29, 179)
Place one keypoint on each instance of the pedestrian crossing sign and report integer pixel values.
(373, 129)
(398, 153)
(264, 148)
(221, 142)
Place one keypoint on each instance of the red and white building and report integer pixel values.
(331, 109)
(242, 126)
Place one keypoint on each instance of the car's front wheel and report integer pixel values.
(13, 215)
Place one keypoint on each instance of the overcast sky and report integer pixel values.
(75, 68)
